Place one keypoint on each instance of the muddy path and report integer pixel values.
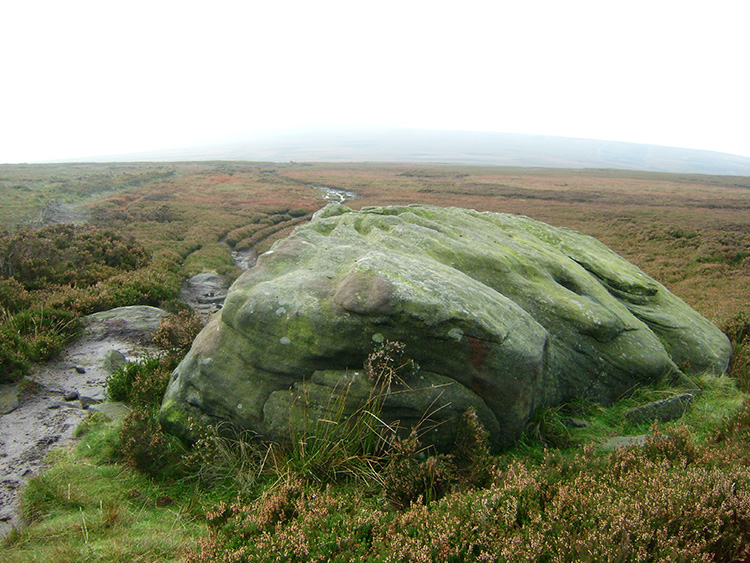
(47, 406)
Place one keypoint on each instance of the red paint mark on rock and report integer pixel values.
(479, 351)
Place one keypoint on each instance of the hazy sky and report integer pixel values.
(83, 78)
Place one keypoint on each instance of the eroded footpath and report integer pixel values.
(44, 410)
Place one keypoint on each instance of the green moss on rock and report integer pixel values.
(508, 313)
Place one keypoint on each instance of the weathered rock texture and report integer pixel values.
(502, 313)
(136, 323)
(661, 411)
(205, 292)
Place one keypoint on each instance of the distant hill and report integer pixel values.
(410, 145)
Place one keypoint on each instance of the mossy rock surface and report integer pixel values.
(137, 322)
(502, 313)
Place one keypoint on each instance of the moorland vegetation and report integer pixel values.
(339, 492)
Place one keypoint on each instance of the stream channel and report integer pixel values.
(245, 259)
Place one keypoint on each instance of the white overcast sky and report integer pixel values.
(84, 78)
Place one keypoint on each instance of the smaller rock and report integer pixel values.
(86, 402)
(624, 442)
(61, 404)
(48, 440)
(164, 501)
(115, 411)
(212, 300)
(80, 369)
(136, 323)
(113, 360)
(70, 395)
(574, 423)
(661, 411)
(8, 398)
(205, 292)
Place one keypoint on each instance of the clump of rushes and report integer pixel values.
(348, 440)
(389, 365)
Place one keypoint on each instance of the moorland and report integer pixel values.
(81, 238)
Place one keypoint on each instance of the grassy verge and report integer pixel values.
(86, 508)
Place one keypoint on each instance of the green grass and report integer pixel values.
(85, 508)
(214, 257)
(718, 399)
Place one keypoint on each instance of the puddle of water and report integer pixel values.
(335, 195)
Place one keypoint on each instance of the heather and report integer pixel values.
(343, 490)
(666, 502)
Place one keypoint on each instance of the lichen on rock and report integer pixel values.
(503, 314)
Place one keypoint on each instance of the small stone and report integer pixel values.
(48, 440)
(662, 411)
(574, 423)
(114, 411)
(8, 398)
(624, 442)
(164, 501)
(70, 395)
(80, 369)
(86, 402)
(113, 360)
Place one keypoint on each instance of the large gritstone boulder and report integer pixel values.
(502, 314)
